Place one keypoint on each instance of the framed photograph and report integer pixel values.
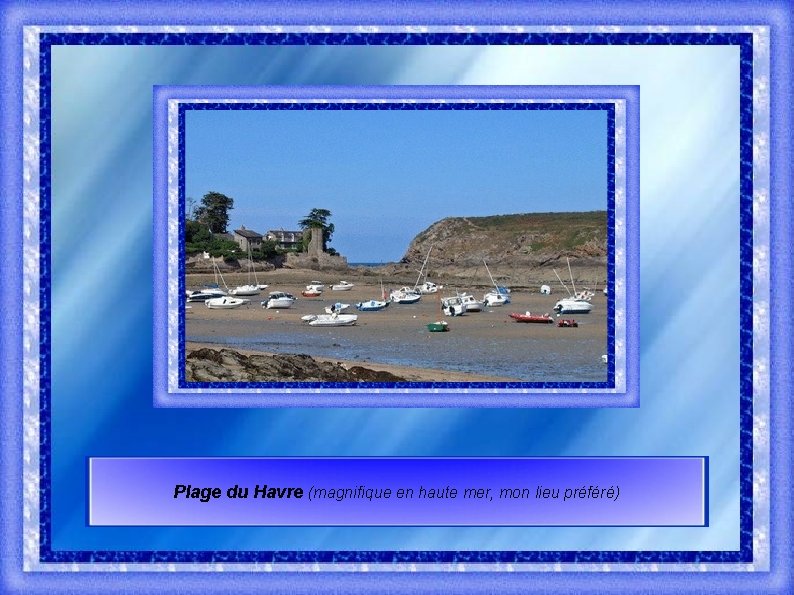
(559, 152)
(215, 213)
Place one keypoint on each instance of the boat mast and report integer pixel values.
(571, 274)
(251, 266)
(218, 273)
(419, 278)
(490, 275)
(560, 280)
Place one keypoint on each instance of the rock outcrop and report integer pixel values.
(515, 241)
(227, 365)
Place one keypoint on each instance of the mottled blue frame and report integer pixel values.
(776, 12)
(235, 394)
(745, 43)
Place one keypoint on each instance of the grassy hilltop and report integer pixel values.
(527, 240)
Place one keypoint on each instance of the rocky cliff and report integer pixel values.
(526, 240)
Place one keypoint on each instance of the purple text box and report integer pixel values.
(610, 491)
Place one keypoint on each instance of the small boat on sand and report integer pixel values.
(336, 308)
(470, 303)
(372, 306)
(330, 319)
(278, 299)
(528, 317)
(438, 327)
(342, 286)
(453, 306)
(225, 302)
(313, 289)
(494, 298)
(567, 323)
(405, 295)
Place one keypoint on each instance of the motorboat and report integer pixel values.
(453, 306)
(342, 286)
(427, 288)
(573, 306)
(313, 289)
(372, 305)
(330, 319)
(529, 317)
(278, 300)
(470, 303)
(405, 295)
(225, 302)
(202, 295)
(439, 326)
(336, 308)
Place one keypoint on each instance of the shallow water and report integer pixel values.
(540, 358)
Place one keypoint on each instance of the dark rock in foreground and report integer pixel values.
(227, 365)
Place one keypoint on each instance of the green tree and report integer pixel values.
(318, 218)
(214, 211)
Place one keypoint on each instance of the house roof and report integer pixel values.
(282, 233)
(247, 233)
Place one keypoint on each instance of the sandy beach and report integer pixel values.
(481, 346)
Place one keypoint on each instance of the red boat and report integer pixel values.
(542, 319)
(308, 293)
(567, 323)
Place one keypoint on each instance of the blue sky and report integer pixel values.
(387, 175)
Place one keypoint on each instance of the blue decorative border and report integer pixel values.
(609, 108)
(745, 43)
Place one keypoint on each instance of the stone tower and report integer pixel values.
(316, 242)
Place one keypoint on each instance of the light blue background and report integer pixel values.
(102, 251)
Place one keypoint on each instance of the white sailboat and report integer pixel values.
(427, 287)
(249, 288)
(578, 303)
(499, 296)
(209, 291)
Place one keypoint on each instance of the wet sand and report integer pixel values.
(485, 344)
(410, 373)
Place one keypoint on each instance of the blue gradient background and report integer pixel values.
(102, 251)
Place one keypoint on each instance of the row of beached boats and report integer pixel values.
(578, 302)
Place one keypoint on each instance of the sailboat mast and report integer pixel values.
(421, 270)
(218, 272)
(490, 275)
(571, 274)
(560, 280)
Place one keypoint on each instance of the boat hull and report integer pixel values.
(245, 290)
(224, 303)
(531, 318)
(573, 307)
(332, 320)
(371, 306)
